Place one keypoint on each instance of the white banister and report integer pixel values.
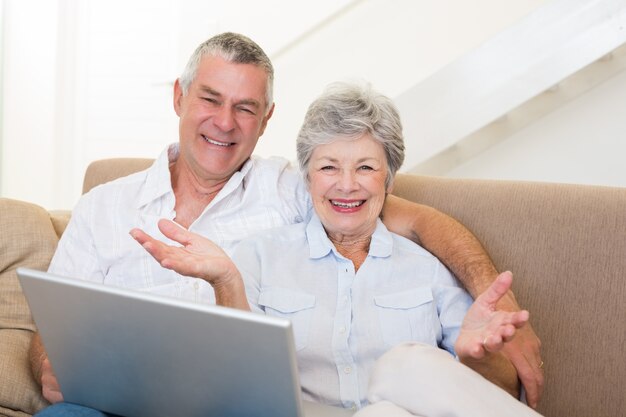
(546, 47)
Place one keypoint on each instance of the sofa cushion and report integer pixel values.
(27, 238)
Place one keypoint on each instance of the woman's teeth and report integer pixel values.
(347, 205)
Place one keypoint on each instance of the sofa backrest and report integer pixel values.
(566, 247)
(105, 170)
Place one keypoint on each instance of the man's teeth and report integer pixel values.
(214, 142)
(347, 205)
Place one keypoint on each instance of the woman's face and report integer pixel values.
(347, 185)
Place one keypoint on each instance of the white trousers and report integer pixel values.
(414, 379)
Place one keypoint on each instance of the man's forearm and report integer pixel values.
(497, 369)
(445, 238)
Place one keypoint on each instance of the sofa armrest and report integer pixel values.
(27, 238)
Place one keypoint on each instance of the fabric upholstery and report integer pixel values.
(27, 238)
(105, 170)
(566, 247)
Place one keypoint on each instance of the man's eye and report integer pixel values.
(210, 100)
(246, 110)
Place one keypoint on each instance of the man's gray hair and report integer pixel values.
(348, 111)
(235, 48)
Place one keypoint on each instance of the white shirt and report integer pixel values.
(343, 321)
(96, 245)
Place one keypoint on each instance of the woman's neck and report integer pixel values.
(354, 249)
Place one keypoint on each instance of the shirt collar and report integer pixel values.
(320, 245)
(159, 182)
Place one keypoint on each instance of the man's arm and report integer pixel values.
(42, 371)
(445, 238)
(463, 254)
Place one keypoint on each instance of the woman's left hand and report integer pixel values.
(486, 329)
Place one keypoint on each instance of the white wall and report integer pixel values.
(29, 100)
(583, 142)
(91, 79)
(392, 44)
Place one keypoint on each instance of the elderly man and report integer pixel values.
(210, 184)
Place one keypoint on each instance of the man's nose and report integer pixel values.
(224, 119)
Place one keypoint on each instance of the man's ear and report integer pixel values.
(266, 119)
(178, 96)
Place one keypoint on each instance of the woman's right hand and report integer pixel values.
(197, 257)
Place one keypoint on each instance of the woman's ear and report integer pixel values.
(389, 189)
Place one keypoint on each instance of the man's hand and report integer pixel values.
(42, 371)
(49, 385)
(524, 353)
(484, 333)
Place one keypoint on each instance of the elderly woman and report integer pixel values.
(352, 289)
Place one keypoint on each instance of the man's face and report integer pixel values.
(222, 117)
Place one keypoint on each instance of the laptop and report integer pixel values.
(136, 354)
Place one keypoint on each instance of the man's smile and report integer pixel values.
(215, 142)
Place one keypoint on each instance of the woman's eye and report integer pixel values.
(365, 168)
(328, 168)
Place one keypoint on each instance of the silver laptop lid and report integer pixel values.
(136, 354)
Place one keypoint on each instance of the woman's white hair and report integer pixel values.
(348, 111)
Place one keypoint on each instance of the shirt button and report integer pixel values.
(353, 408)
(342, 330)
(196, 285)
(347, 369)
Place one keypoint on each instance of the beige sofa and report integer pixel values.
(566, 245)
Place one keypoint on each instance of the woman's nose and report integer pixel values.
(347, 181)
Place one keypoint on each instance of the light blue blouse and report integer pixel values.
(342, 320)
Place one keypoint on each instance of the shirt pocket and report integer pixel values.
(295, 306)
(409, 315)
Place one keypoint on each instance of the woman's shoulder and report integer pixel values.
(408, 246)
(282, 235)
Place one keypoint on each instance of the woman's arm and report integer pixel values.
(463, 254)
